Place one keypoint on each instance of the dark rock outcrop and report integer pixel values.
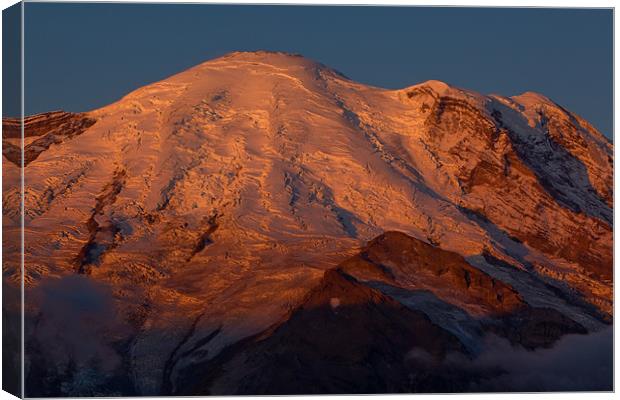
(347, 336)
(50, 128)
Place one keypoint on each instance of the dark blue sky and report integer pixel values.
(83, 56)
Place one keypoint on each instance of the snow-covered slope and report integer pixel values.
(214, 200)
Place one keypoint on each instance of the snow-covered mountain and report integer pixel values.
(248, 217)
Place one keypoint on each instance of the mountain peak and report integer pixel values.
(262, 53)
(266, 57)
(533, 98)
(443, 89)
(211, 203)
(436, 85)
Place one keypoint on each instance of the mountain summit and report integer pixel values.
(233, 210)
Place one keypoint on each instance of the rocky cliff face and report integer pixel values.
(384, 321)
(208, 207)
(40, 132)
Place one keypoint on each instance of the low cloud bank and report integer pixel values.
(74, 333)
(574, 363)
